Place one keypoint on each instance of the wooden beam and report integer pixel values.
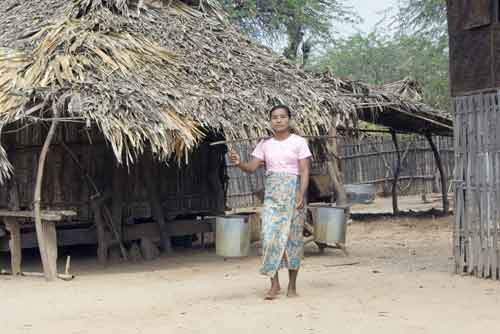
(49, 269)
(395, 208)
(442, 174)
(50, 215)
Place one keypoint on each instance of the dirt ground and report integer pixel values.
(403, 283)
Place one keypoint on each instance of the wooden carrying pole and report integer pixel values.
(49, 268)
(442, 174)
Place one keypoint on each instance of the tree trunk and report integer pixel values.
(48, 268)
(295, 36)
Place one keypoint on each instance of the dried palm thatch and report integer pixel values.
(396, 105)
(148, 75)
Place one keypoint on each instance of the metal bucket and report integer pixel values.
(330, 224)
(361, 193)
(232, 236)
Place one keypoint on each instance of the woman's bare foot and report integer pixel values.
(272, 293)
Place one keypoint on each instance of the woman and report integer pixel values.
(286, 157)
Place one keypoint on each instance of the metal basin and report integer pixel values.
(361, 193)
(329, 224)
(232, 236)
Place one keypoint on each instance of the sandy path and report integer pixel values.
(403, 283)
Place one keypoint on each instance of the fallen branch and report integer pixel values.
(341, 264)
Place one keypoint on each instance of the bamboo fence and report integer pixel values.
(477, 184)
(365, 160)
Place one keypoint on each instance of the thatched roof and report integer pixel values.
(398, 105)
(148, 75)
(155, 76)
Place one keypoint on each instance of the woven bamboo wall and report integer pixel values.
(369, 159)
(184, 189)
(477, 187)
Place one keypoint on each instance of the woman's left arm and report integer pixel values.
(304, 182)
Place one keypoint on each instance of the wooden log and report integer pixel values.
(14, 244)
(442, 174)
(394, 192)
(49, 269)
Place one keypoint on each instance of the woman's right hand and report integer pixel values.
(235, 158)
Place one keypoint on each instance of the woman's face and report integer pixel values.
(279, 120)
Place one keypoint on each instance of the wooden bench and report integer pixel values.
(49, 219)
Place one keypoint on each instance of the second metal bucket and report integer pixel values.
(232, 236)
(330, 224)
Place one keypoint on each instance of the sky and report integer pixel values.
(370, 12)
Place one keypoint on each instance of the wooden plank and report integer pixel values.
(467, 247)
(175, 228)
(457, 237)
(476, 13)
(65, 237)
(55, 215)
(496, 185)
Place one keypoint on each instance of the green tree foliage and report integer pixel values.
(302, 23)
(425, 18)
(418, 49)
(378, 59)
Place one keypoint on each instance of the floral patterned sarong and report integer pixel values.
(282, 224)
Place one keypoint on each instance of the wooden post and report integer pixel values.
(395, 208)
(14, 244)
(151, 180)
(442, 174)
(102, 244)
(14, 228)
(334, 170)
(117, 199)
(43, 235)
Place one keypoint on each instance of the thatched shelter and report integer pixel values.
(127, 94)
(141, 85)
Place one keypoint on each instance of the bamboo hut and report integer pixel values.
(106, 109)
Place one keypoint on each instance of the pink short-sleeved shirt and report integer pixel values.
(282, 156)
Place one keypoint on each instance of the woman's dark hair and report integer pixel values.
(281, 106)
